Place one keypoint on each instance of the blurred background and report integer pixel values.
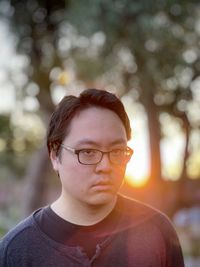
(146, 52)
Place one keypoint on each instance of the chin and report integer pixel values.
(103, 198)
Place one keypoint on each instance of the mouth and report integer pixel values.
(103, 186)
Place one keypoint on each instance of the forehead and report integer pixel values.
(97, 125)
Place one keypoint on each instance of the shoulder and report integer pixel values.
(142, 214)
(150, 231)
(134, 208)
(17, 237)
(18, 229)
(148, 221)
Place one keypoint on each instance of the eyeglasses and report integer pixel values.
(89, 156)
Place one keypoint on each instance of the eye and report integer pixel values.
(118, 152)
(88, 152)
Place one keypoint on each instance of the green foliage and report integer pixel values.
(5, 129)
(142, 48)
(153, 35)
(15, 148)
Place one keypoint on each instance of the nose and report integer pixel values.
(104, 165)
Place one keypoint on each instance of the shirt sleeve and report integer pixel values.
(3, 249)
(174, 255)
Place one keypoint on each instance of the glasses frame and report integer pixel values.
(77, 152)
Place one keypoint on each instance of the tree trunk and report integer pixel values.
(36, 181)
(147, 99)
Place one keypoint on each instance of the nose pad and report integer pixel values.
(105, 163)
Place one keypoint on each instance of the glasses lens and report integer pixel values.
(89, 156)
(120, 156)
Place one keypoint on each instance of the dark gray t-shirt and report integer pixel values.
(140, 237)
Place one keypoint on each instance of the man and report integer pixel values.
(90, 224)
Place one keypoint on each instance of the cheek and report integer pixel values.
(120, 171)
(119, 176)
(74, 175)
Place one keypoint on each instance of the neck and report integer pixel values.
(81, 213)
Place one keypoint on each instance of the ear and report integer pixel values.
(54, 160)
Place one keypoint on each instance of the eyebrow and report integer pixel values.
(91, 142)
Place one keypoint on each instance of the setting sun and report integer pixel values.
(133, 179)
(138, 167)
(136, 181)
(137, 171)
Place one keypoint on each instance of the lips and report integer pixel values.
(103, 185)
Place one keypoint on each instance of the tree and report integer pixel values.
(165, 62)
(146, 47)
(36, 24)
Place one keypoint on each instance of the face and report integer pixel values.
(96, 128)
